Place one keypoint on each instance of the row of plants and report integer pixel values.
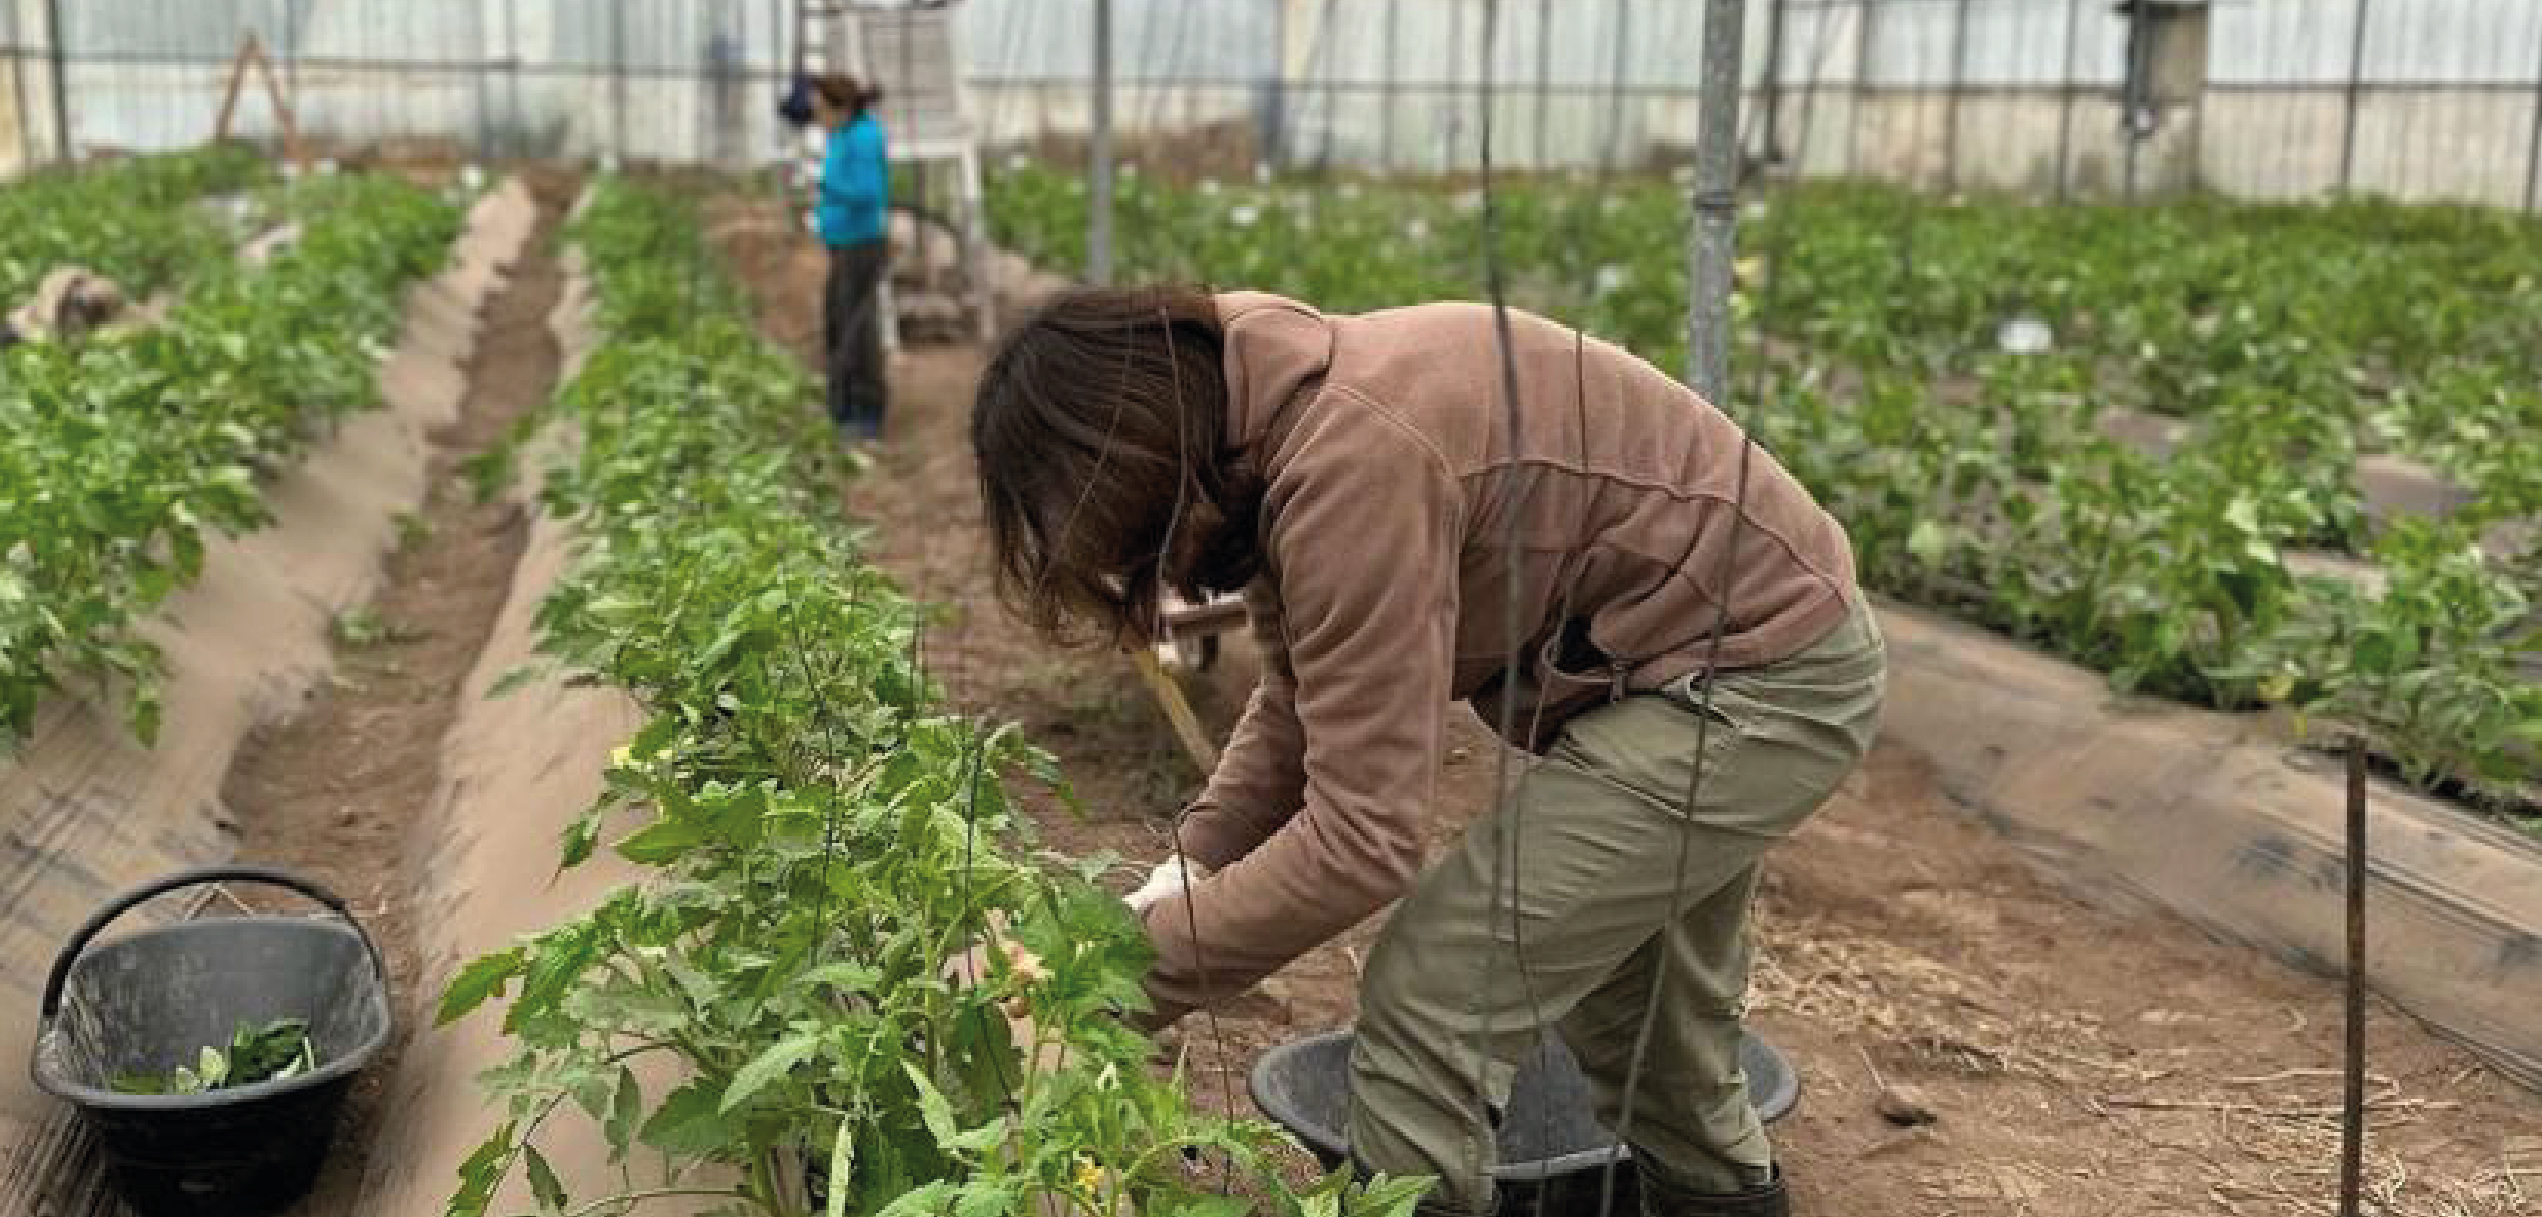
(1940, 373)
(121, 453)
(823, 840)
(134, 221)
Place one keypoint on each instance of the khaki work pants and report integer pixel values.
(1461, 986)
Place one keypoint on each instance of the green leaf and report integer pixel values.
(579, 839)
(1929, 542)
(475, 983)
(927, 1199)
(984, 1198)
(626, 1109)
(691, 1122)
(849, 978)
(519, 675)
(2243, 513)
(778, 1060)
(661, 842)
(481, 1173)
(544, 1185)
(842, 1161)
(932, 1106)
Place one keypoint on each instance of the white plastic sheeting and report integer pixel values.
(2016, 94)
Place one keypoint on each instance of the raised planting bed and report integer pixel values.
(88, 806)
(2213, 817)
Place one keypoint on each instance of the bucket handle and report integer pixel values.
(196, 877)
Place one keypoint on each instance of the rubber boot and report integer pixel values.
(1661, 1198)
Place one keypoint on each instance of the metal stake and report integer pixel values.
(1099, 148)
(1386, 94)
(2065, 98)
(17, 79)
(2133, 94)
(618, 82)
(2356, 90)
(2352, 1105)
(2533, 155)
(1951, 99)
(1713, 240)
(1773, 83)
(61, 58)
(1862, 87)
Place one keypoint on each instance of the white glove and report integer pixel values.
(1166, 880)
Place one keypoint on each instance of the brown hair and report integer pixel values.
(1105, 463)
(845, 92)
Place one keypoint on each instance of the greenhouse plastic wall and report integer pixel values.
(2418, 99)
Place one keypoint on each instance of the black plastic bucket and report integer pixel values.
(145, 1003)
(1550, 1138)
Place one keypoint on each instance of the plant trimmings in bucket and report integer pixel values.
(278, 1050)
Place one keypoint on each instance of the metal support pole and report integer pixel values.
(2065, 99)
(2352, 1104)
(2132, 91)
(906, 88)
(1275, 145)
(1330, 55)
(1862, 87)
(2356, 90)
(1454, 110)
(1714, 238)
(618, 82)
(1387, 93)
(292, 11)
(517, 144)
(1544, 80)
(1099, 150)
(1619, 60)
(17, 82)
(59, 38)
(1950, 99)
(2533, 154)
(480, 85)
(1773, 82)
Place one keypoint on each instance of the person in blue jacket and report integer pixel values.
(850, 215)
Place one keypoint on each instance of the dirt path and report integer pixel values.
(330, 793)
(2079, 1061)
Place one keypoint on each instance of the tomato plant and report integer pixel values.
(823, 840)
(117, 453)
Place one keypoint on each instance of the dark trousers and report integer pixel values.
(852, 337)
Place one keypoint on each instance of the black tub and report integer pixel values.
(146, 1002)
(1549, 1137)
